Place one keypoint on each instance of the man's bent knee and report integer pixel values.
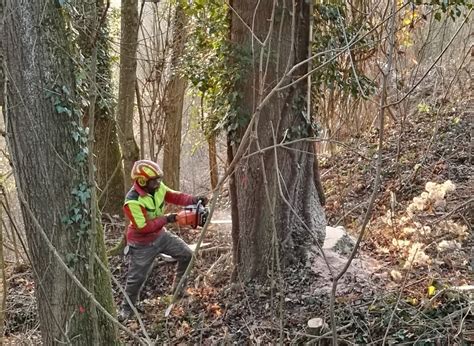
(187, 255)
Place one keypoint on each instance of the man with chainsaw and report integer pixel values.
(146, 235)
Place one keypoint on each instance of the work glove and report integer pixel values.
(171, 217)
(202, 199)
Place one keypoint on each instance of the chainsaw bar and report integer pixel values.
(221, 222)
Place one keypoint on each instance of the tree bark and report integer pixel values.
(258, 179)
(213, 169)
(3, 281)
(49, 153)
(107, 156)
(127, 80)
(174, 104)
(2, 72)
(110, 174)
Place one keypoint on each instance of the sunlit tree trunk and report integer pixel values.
(174, 104)
(48, 146)
(127, 80)
(213, 169)
(264, 226)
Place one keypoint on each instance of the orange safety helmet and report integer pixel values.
(144, 170)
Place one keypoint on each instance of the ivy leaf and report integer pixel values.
(76, 136)
(66, 220)
(65, 88)
(61, 109)
(438, 16)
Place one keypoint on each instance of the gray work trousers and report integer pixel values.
(142, 257)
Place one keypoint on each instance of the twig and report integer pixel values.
(458, 312)
(209, 271)
(109, 181)
(244, 23)
(216, 249)
(350, 211)
(459, 207)
(285, 145)
(275, 239)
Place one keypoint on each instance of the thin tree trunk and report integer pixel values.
(127, 80)
(174, 104)
(141, 118)
(2, 72)
(16, 250)
(213, 169)
(3, 282)
(49, 155)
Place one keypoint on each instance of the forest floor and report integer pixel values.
(410, 282)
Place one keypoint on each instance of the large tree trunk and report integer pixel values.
(174, 104)
(264, 220)
(127, 80)
(49, 154)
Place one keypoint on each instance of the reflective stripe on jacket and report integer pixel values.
(145, 211)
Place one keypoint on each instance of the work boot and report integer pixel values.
(124, 314)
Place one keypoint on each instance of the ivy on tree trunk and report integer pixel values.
(48, 146)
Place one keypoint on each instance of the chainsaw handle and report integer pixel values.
(198, 205)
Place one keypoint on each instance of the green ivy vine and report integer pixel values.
(213, 66)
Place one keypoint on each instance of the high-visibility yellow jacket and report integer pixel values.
(145, 211)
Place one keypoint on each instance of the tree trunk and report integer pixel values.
(2, 72)
(174, 104)
(110, 174)
(3, 281)
(107, 156)
(264, 220)
(213, 169)
(127, 80)
(49, 153)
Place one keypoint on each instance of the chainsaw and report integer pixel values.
(193, 215)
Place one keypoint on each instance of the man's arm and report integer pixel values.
(137, 215)
(178, 198)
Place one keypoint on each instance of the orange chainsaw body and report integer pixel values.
(187, 217)
(193, 216)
